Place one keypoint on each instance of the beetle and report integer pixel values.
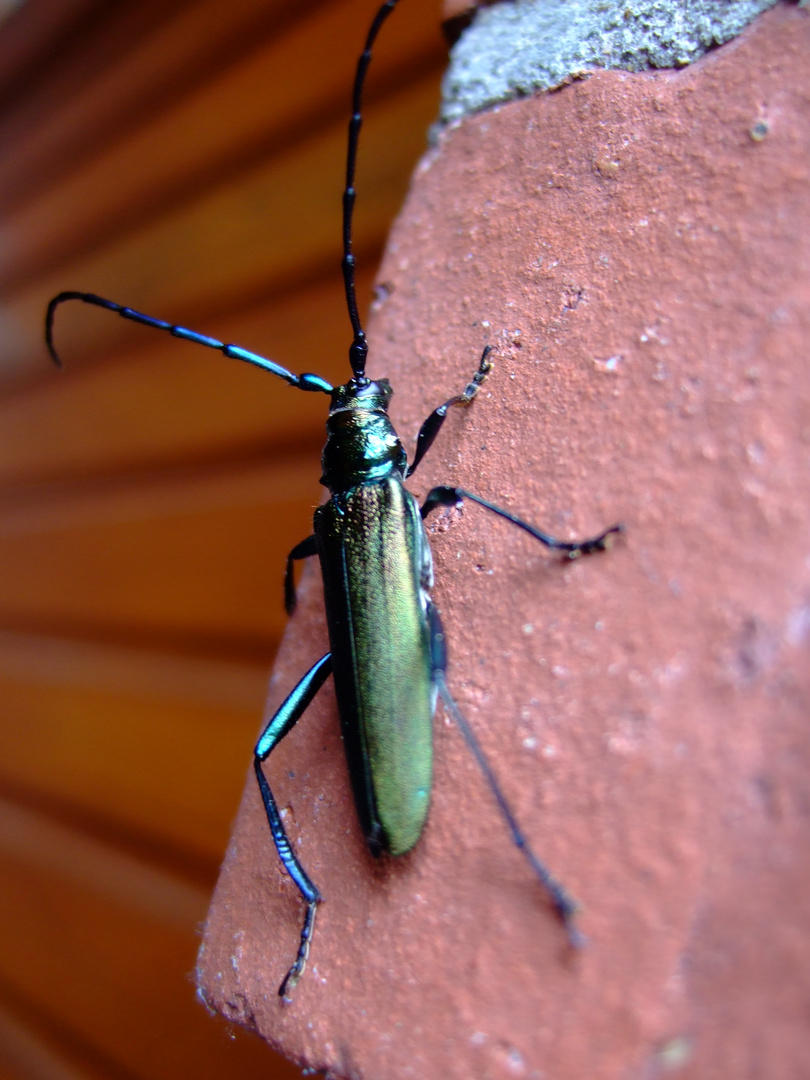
(388, 655)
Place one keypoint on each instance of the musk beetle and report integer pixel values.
(377, 573)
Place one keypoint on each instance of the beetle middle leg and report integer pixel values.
(453, 496)
(305, 550)
(288, 713)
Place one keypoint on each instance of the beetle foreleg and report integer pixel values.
(452, 496)
(284, 719)
(432, 426)
(304, 550)
(565, 906)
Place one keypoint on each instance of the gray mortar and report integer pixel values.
(518, 47)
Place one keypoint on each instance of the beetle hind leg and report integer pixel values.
(564, 904)
(280, 724)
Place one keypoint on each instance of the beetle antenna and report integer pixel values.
(359, 346)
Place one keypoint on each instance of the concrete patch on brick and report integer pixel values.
(517, 48)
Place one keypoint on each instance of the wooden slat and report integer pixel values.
(25, 1054)
(30, 34)
(209, 135)
(106, 944)
(186, 158)
(87, 45)
(213, 251)
(168, 401)
(102, 729)
(196, 559)
(178, 54)
(34, 841)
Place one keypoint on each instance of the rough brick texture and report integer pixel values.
(636, 247)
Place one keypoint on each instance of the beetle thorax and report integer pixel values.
(361, 444)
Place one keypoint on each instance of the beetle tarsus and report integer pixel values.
(602, 542)
(567, 908)
(474, 385)
(297, 970)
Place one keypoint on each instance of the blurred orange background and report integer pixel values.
(185, 159)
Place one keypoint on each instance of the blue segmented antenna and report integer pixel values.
(359, 347)
(235, 352)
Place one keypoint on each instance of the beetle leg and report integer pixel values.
(303, 550)
(452, 496)
(288, 713)
(432, 426)
(564, 904)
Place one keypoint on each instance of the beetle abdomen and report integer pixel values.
(376, 568)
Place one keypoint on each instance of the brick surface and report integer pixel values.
(635, 246)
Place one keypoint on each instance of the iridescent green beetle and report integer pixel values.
(387, 648)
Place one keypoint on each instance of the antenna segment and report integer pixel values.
(359, 346)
